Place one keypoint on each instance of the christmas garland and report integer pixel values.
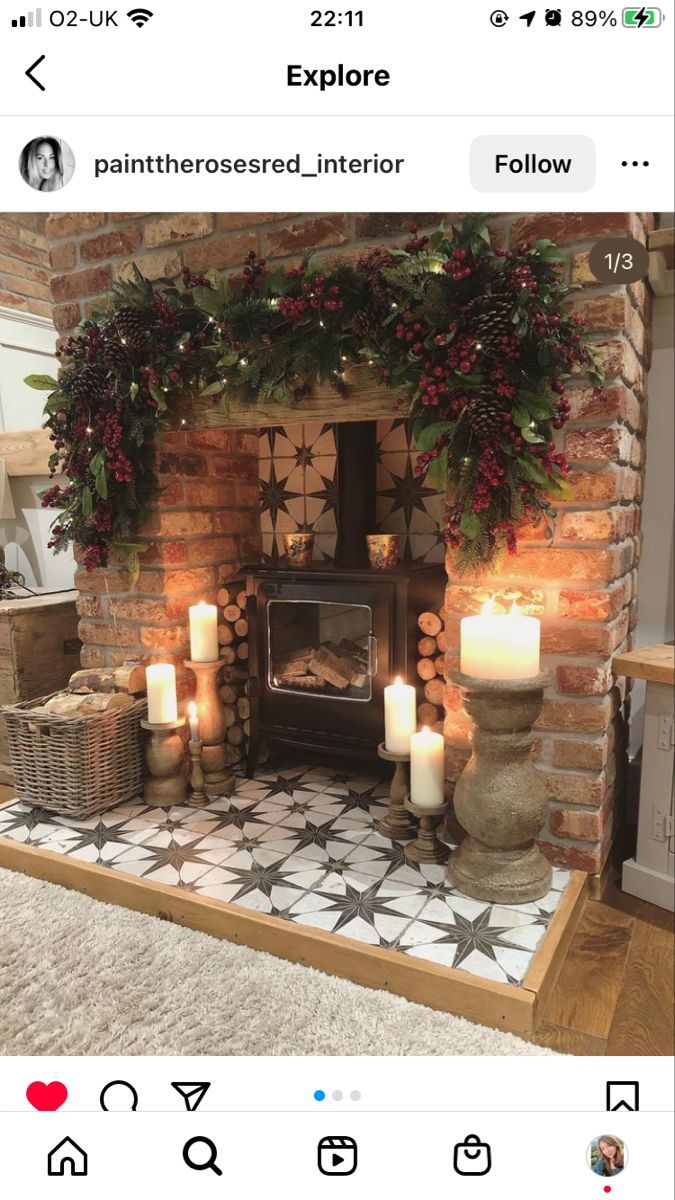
(476, 338)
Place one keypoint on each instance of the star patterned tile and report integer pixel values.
(298, 489)
(300, 843)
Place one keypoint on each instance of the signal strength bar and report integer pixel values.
(30, 21)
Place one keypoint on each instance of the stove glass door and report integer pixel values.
(321, 648)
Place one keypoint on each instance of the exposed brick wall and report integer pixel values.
(582, 586)
(205, 526)
(24, 264)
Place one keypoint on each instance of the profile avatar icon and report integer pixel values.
(553, 16)
(123, 1099)
(46, 164)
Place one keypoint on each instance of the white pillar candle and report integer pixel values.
(500, 646)
(203, 632)
(427, 769)
(400, 716)
(194, 721)
(160, 679)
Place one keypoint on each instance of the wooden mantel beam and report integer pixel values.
(367, 400)
(26, 451)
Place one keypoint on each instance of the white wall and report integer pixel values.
(27, 347)
(656, 620)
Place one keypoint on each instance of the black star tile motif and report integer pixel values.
(274, 495)
(328, 493)
(408, 493)
(469, 935)
(366, 905)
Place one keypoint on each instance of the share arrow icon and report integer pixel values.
(192, 1093)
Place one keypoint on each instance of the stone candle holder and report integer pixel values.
(398, 824)
(427, 846)
(500, 797)
(165, 783)
(218, 779)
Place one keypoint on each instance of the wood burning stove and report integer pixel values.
(324, 642)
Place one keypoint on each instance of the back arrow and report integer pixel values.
(30, 70)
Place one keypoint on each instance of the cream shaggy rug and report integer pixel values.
(81, 977)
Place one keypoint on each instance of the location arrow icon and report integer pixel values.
(529, 17)
(31, 76)
(192, 1093)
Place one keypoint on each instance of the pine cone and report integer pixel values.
(132, 328)
(86, 386)
(484, 415)
(367, 327)
(488, 318)
(115, 355)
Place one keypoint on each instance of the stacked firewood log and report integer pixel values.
(330, 667)
(431, 648)
(233, 641)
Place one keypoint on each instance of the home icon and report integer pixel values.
(67, 1159)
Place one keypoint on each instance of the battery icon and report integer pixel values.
(641, 18)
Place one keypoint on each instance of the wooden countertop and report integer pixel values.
(654, 663)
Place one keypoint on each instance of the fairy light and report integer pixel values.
(243, 362)
(393, 306)
(123, 341)
(479, 345)
(183, 421)
(89, 429)
(322, 324)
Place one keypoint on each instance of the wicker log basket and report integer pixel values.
(76, 765)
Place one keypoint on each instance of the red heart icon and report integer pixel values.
(46, 1097)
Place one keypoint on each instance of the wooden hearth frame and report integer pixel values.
(501, 1006)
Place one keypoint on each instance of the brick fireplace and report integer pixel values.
(583, 584)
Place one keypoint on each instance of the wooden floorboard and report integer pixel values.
(568, 1041)
(615, 992)
(643, 1017)
(585, 996)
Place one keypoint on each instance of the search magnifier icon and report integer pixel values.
(197, 1164)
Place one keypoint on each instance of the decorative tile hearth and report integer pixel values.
(300, 844)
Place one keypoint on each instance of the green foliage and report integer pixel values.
(477, 342)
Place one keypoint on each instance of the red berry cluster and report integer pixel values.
(253, 271)
(489, 476)
(522, 276)
(457, 266)
(416, 244)
(317, 295)
(191, 280)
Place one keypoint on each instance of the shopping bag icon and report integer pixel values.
(472, 1157)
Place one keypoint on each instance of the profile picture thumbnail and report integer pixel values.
(607, 1155)
(47, 164)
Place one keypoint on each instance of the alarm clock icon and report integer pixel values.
(553, 16)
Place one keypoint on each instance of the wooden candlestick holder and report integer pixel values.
(500, 797)
(427, 846)
(165, 782)
(198, 796)
(398, 824)
(218, 779)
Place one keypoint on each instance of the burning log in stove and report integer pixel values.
(330, 667)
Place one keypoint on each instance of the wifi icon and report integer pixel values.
(140, 16)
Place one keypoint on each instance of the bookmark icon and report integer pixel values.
(192, 1093)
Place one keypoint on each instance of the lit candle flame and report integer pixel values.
(515, 611)
(192, 709)
(488, 607)
(398, 680)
